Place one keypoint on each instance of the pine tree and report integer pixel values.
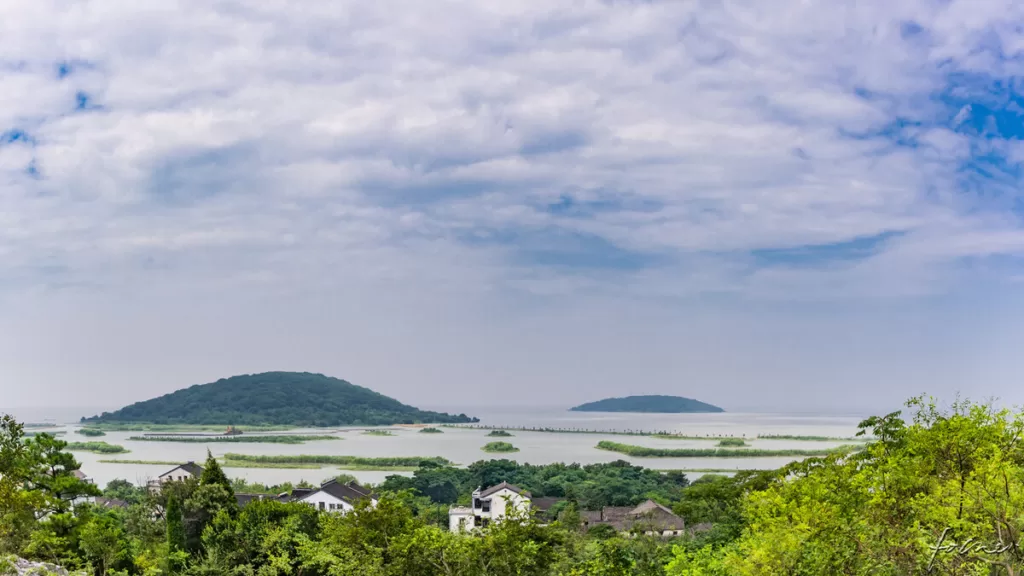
(214, 475)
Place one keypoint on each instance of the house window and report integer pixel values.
(476, 503)
(486, 507)
(462, 524)
(322, 506)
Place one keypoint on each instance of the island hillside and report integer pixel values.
(276, 398)
(652, 404)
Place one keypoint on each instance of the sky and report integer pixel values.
(795, 205)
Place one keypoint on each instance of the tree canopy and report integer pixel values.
(936, 491)
(276, 398)
(650, 404)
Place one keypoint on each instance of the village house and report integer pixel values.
(648, 518)
(180, 473)
(333, 496)
(490, 505)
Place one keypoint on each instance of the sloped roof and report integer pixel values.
(297, 494)
(649, 514)
(649, 507)
(345, 492)
(190, 467)
(503, 486)
(244, 498)
(656, 517)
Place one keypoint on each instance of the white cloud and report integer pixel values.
(423, 144)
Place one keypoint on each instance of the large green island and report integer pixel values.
(278, 399)
(648, 404)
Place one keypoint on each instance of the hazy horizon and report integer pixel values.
(794, 206)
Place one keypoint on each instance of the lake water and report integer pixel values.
(464, 446)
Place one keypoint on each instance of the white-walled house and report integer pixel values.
(333, 496)
(180, 473)
(490, 505)
(184, 472)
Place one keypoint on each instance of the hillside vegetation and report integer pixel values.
(939, 491)
(649, 404)
(276, 398)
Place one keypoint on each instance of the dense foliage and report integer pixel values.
(653, 404)
(355, 461)
(499, 447)
(648, 452)
(939, 493)
(590, 487)
(499, 433)
(92, 432)
(731, 442)
(97, 447)
(246, 439)
(276, 398)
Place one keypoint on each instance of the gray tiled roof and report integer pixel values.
(499, 487)
(649, 515)
(190, 467)
(350, 492)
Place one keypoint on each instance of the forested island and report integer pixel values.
(650, 404)
(275, 398)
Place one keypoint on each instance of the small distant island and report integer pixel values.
(275, 399)
(648, 404)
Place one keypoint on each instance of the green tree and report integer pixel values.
(953, 476)
(17, 506)
(124, 490)
(213, 475)
(105, 546)
(54, 474)
(175, 534)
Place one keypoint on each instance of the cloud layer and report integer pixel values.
(628, 151)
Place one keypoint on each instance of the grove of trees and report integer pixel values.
(938, 491)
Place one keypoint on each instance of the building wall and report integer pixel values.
(500, 506)
(326, 502)
(461, 522)
(176, 475)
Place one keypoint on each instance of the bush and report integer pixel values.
(499, 447)
(731, 442)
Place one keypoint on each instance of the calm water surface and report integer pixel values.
(464, 446)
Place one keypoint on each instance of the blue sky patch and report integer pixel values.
(16, 136)
(32, 170)
(556, 248)
(910, 29)
(569, 206)
(83, 101)
(554, 143)
(66, 68)
(824, 254)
